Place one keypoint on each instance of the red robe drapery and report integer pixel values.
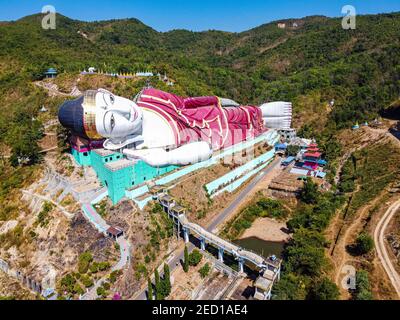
(203, 118)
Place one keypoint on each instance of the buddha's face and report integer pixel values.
(115, 117)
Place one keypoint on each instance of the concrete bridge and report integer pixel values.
(271, 265)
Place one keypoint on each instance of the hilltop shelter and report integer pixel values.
(114, 233)
(50, 73)
(288, 161)
(144, 74)
(280, 147)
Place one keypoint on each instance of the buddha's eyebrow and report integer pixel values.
(104, 99)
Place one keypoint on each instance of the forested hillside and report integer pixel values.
(309, 63)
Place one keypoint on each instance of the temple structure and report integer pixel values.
(129, 143)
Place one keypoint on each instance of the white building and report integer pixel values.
(144, 74)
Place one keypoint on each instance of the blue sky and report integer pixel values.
(164, 15)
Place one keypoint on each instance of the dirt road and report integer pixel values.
(379, 238)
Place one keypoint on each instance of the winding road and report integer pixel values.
(379, 238)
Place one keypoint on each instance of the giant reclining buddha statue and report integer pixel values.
(163, 129)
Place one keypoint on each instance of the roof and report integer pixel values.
(114, 231)
(120, 164)
(167, 198)
(51, 71)
(281, 146)
(178, 208)
(263, 283)
(313, 154)
(288, 159)
(104, 152)
(321, 174)
(157, 188)
(312, 145)
(269, 274)
(299, 171)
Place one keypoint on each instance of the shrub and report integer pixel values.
(94, 267)
(84, 262)
(309, 194)
(68, 283)
(363, 287)
(157, 208)
(114, 275)
(106, 285)
(86, 281)
(149, 289)
(205, 270)
(43, 216)
(324, 289)
(103, 266)
(101, 292)
(364, 243)
(78, 289)
(186, 260)
(195, 258)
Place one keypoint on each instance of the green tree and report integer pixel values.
(78, 289)
(195, 258)
(158, 287)
(324, 289)
(363, 287)
(290, 287)
(292, 150)
(68, 283)
(305, 253)
(186, 260)
(84, 261)
(101, 292)
(205, 270)
(309, 194)
(86, 281)
(167, 280)
(149, 289)
(364, 243)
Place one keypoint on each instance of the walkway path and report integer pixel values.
(65, 212)
(101, 225)
(221, 243)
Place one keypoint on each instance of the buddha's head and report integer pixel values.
(100, 114)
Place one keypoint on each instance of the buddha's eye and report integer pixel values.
(112, 122)
(112, 99)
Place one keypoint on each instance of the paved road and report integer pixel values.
(379, 238)
(178, 257)
(232, 207)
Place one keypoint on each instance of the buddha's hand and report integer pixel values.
(187, 154)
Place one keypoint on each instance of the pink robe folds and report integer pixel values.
(203, 118)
